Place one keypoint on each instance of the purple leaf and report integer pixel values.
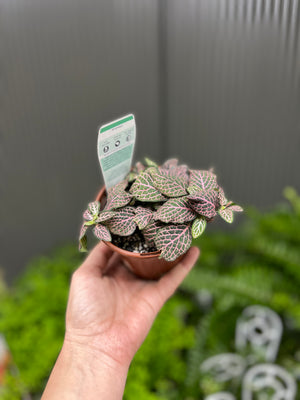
(175, 210)
(94, 208)
(173, 241)
(102, 233)
(204, 180)
(117, 197)
(104, 216)
(171, 186)
(144, 190)
(198, 227)
(143, 217)
(150, 232)
(122, 223)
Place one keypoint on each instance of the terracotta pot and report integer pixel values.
(144, 265)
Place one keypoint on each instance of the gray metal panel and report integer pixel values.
(233, 92)
(67, 66)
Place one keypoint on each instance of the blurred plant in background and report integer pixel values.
(257, 264)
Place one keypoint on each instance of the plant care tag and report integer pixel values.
(115, 149)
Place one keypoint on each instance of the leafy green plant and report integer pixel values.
(168, 205)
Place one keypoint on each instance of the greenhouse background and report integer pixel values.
(215, 83)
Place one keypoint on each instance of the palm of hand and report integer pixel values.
(110, 309)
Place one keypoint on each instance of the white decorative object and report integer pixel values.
(262, 377)
(258, 333)
(220, 396)
(224, 367)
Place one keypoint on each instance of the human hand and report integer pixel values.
(109, 313)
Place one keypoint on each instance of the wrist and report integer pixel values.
(81, 372)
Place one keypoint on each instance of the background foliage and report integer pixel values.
(257, 264)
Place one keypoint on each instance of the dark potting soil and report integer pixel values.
(135, 243)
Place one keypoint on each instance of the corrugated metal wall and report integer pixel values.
(215, 82)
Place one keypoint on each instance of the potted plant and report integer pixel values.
(151, 217)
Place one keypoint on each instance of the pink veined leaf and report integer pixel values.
(104, 216)
(204, 203)
(94, 208)
(87, 215)
(173, 241)
(143, 217)
(234, 207)
(204, 180)
(83, 230)
(122, 223)
(222, 199)
(144, 190)
(117, 197)
(171, 186)
(102, 233)
(172, 162)
(150, 231)
(175, 210)
(139, 167)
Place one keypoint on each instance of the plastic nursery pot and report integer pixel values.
(144, 265)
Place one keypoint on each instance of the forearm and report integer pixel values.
(79, 374)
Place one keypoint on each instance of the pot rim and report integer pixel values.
(153, 254)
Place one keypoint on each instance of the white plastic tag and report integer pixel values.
(116, 142)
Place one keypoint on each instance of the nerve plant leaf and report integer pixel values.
(204, 180)
(176, 211)
(150, 163)
(226, 214)
(143, 217)
(117, 197)
(170, 186)
(144, 190)
(198, 227)
(150, 231)
(102, 233)
(204, 203)
(122, 223)
(173, 241)
(83, 238)
(104, 216)
(94, 208)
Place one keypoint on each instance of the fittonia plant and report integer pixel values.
(167, 205)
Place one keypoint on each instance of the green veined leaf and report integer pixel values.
(117, 197)
(234, 207)
(144, 190)
(198, 227)
(226, 214)
(175, 210)
(102, 233)
(150, 163)
(222, 198)
(104, 216)
(171, 186)
(143, 217)
(204, 180)
(122, 223)
(173, 241)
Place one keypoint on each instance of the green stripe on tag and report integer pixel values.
(122, 121)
